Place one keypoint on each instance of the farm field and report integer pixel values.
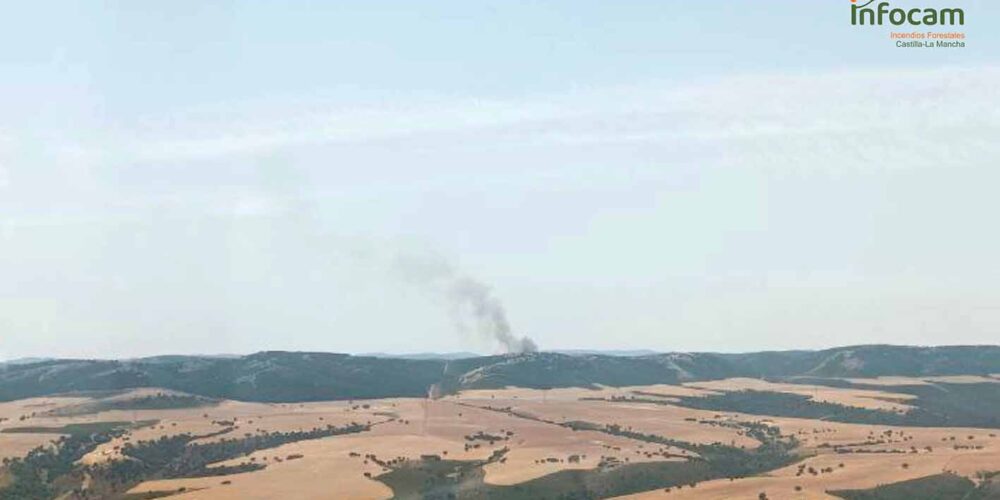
(497, 442)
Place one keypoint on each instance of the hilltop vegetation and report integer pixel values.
(265, 376)
(293, 376)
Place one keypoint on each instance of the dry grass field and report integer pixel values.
(419, 427)
(21, 413)
(836, 472)
(676, 422)
(530, 430)
(881, 454)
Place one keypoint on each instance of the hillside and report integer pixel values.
(265, 376)
(300, 376)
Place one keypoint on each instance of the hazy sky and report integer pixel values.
(177, 177)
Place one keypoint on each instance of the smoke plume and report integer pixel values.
(475, 308)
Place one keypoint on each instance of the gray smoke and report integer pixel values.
(474, 306)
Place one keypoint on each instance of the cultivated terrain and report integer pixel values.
(860, 422)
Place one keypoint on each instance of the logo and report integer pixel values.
(877, 15)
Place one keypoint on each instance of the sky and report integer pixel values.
(184, 177)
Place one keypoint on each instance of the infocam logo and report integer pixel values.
(877, 15)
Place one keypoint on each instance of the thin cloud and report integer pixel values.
(792, 116)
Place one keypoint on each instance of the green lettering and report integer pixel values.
(948, 16)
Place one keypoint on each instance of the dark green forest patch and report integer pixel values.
(159, 401)
(81, 429)
(961, 407)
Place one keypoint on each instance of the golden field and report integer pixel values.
(530, 428)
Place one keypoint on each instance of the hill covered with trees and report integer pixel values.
(277, 376)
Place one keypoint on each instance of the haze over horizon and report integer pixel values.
(185, 178)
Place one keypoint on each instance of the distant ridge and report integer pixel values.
(612, 352)
(423, 355)
(310, 376)
(23, 361)
(466, 354)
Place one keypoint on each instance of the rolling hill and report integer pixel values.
(277, 376)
